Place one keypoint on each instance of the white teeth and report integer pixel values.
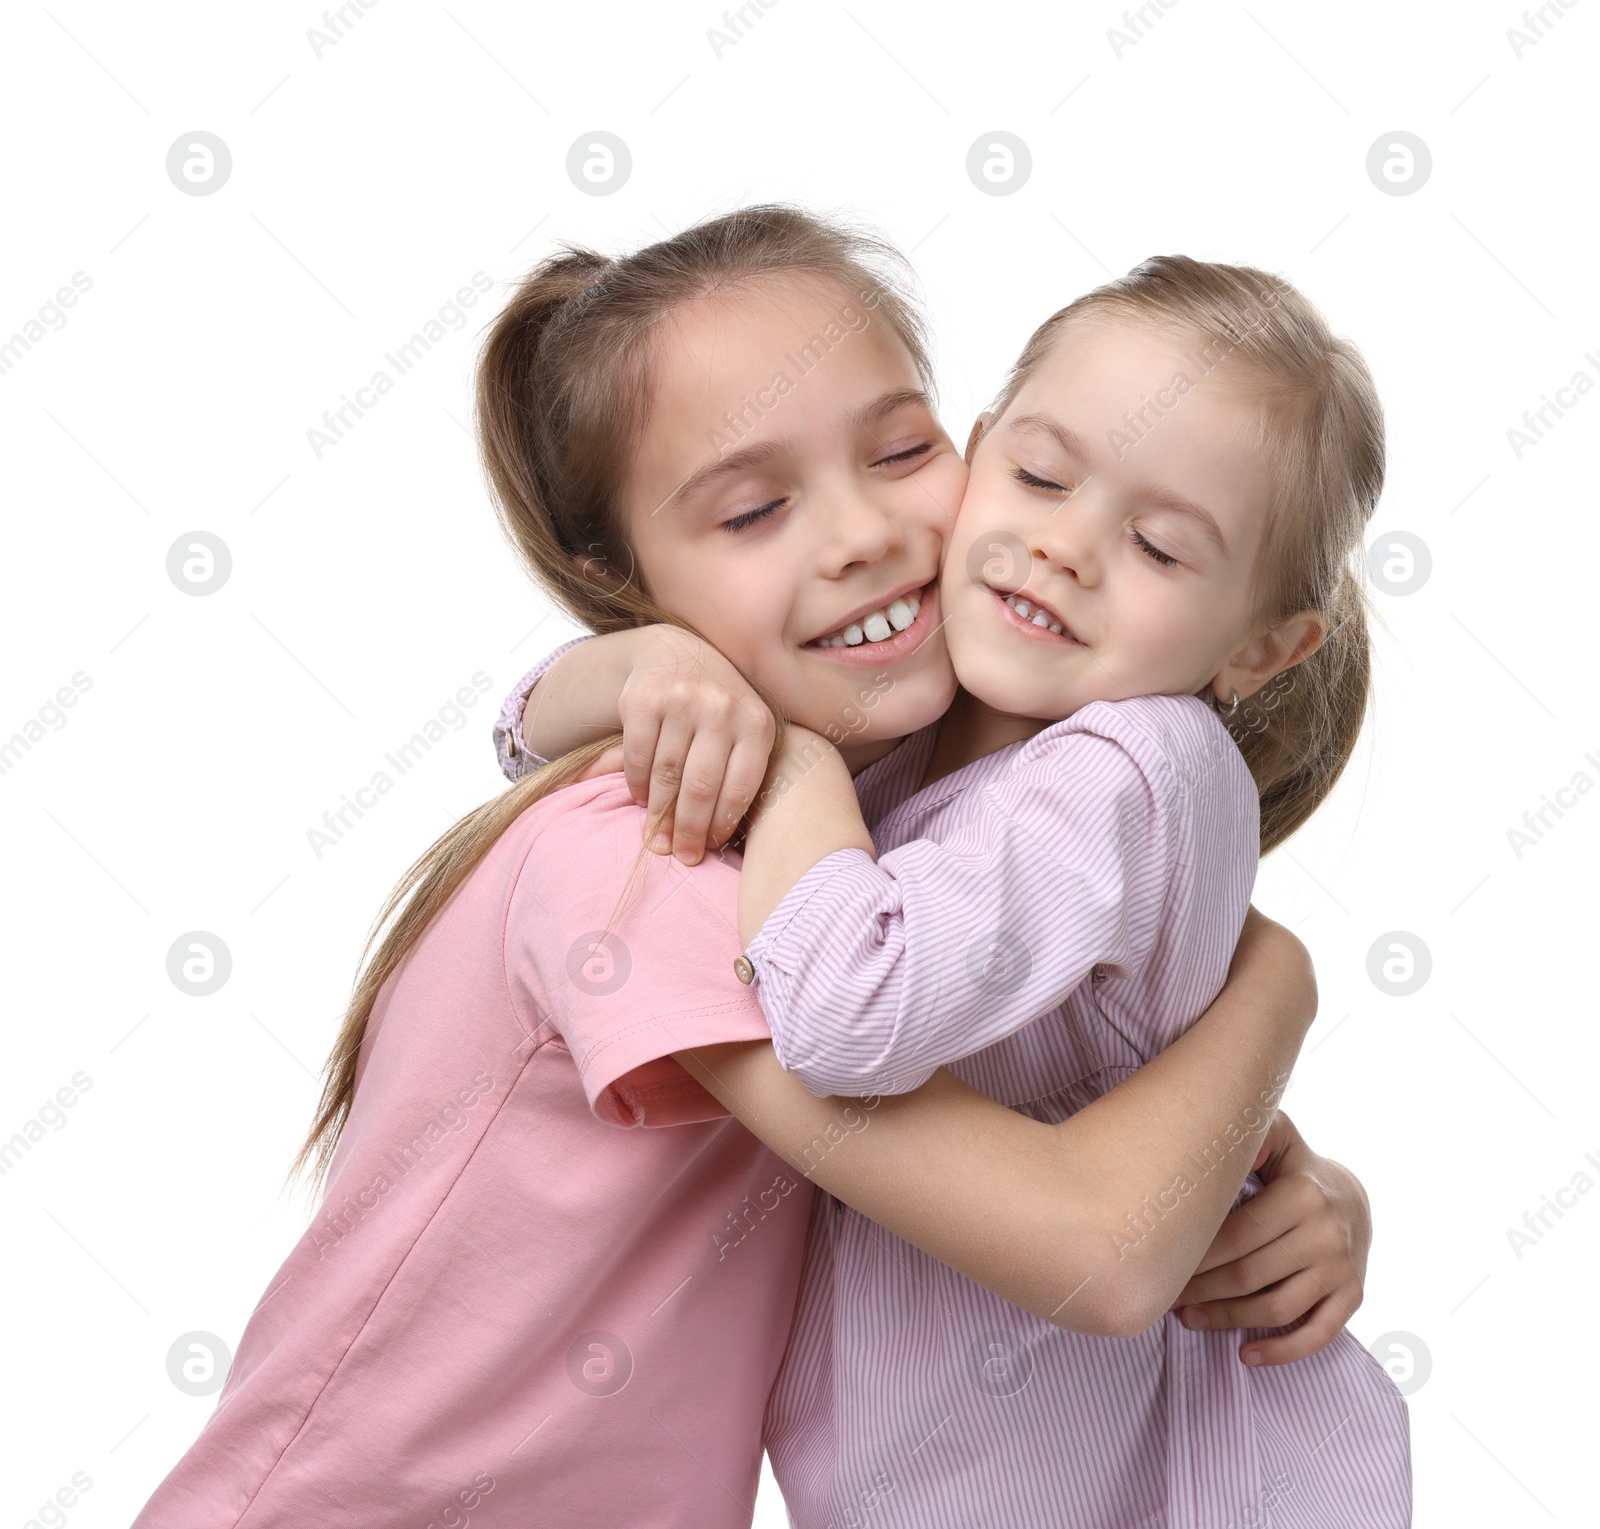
(878, 625)
(1039, 617)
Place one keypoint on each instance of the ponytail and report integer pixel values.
(1298, 731)
(562, 393)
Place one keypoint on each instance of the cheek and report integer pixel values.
(745, 620)
(939, 492)
(1176, 636)
(988, 534)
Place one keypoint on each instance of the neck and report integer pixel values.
(972, 729)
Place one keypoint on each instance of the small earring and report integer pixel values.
(1225, 712)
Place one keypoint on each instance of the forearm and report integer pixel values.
(576, 701)
(808, 810)
(980, 1187)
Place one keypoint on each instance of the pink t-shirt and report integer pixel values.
(515, 1306)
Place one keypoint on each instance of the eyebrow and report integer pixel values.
(735, 462)
(1042, 424)
(1157, 498)
(765, 451)
(891, 403)
(1167, 499)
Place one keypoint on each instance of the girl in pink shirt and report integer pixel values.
(553, 1274)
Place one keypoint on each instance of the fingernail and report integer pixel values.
(661, 844)
(1252, 1356)
(1194, 1317)
(688, 857)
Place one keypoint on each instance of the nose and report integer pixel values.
(1068, 539)
(860, 533)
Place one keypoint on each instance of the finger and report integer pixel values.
(747, 768)
(1276, 1306)
(697, 794)
(1252, 1225)
(641, 733)
(1301, 1247)
(1318, 1330)
(1282, 1205)
(666, 774)
(607, 764)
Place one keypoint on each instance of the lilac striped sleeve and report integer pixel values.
(874, 974)
(516, 758)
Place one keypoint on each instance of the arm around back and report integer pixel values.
(1093, 1224)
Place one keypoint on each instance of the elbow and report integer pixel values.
(1111, 1296)
(1113, 1313)
(1126, 1314)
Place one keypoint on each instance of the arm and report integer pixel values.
(576, 700)
(1093, 1224)
(516, 756)
(873, 973)
(807, 810)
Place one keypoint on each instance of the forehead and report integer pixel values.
(1153, 409)
(805, 340)
(1109, 355)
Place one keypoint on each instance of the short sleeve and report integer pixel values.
(626, 957)
(511, 749)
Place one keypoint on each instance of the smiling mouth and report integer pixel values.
(1037, 619)
(884, 633)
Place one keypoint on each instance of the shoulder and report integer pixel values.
(1177, 743)
(592, 813)
(579, 854)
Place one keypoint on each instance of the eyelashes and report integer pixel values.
(750, 517)
(1155, 552)
(1033, 480)
(905, 456)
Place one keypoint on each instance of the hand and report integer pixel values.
(691, 724)
(1296, 1253)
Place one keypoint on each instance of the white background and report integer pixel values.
(367, 586)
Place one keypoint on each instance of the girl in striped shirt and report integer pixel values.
(1150, 600)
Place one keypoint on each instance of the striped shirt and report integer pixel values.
(1117, 846)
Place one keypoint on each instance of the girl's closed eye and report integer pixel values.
(750, 517)
(1161, 557)
(907, 454)
(1033, 480)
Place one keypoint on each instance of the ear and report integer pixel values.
(1269, 654)
(979, 425)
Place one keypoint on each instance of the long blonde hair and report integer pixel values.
(1324, 438)
(563, 390)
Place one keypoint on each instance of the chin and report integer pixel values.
(903, 706)
(998, 684)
